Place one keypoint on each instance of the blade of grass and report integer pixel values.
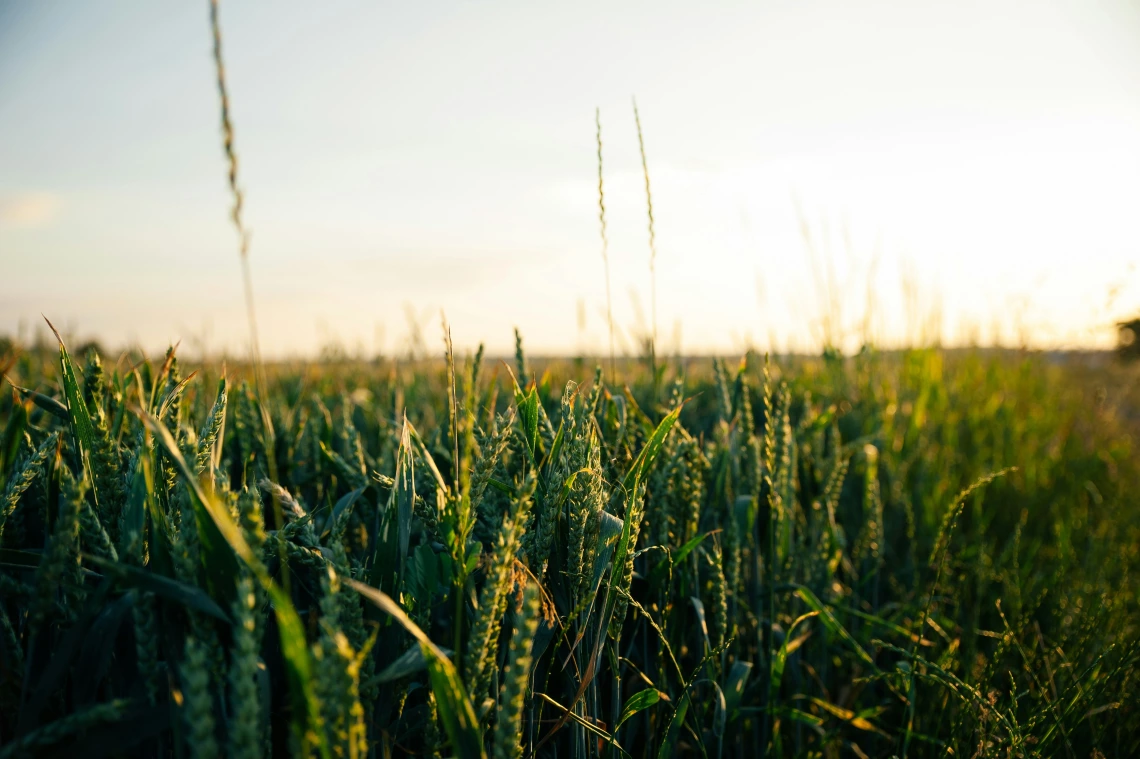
(455, 709)
(215, 522)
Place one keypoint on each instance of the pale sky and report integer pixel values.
(980, 160)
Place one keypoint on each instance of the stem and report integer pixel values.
(259, 379)
(652, 253)
(605, 243)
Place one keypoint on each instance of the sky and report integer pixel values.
(820, 171)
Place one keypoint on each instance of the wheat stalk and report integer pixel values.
(652, 241)
(605, 242)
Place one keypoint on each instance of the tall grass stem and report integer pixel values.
(652, 242)
(605, 243)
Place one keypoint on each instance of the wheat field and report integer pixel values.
(922, 553)
(910, 553)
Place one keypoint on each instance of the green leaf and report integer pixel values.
(528, 406)
(173, 590)
(617, 565)
(684, 551)
(644, 461)
(217, 558)
(699, 609)
(781, 657)
(734, 685)
(746, 509)
(474, 552)
(408, 663)
(135, 508)
(173, 395)
(405, 492)
(392, 524)
(638, 702)
(832, 624)
(609, 530)
(47, 403)
(77, 411)
(422, 578)
(351, 474)
(455, 709)
(632, 481)
(720, 713)
(344, 504)
(415, 438)
(528, 417)
(298, 664)
(501, 486)
(221, 402)
(556, 447)
(142, 491)
(214, 521)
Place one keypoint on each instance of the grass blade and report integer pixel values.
(455, 709)
(77, 411)
(781, 657)
(217, 553)
(214, 524)
(47, 403)
(179, 592)
(638, 702)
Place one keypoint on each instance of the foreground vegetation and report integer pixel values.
(912, 554)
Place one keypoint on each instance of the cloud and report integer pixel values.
(28, 209)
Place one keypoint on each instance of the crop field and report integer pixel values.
(921, 552)
(918, 553)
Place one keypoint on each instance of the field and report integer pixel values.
(917, 553)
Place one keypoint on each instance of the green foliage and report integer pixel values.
(910, 554)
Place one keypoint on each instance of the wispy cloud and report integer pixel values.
(28, 209)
